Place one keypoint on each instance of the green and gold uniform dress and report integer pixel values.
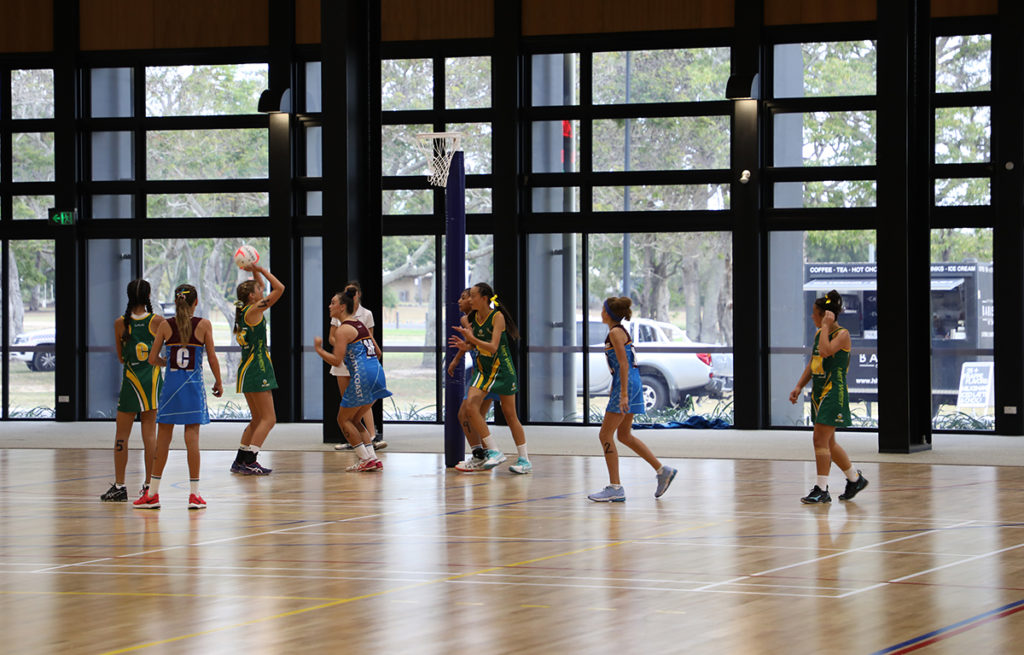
(141, 382)
(255, 372)
(830, 397)
(495, 372)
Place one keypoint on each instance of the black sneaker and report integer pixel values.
(115, 494)
(817, 495)
(379, 443)
(854, 488)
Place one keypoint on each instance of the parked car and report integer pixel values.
(36, 360)
(668, 377)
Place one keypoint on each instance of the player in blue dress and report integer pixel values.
(353, 344)
(183, 399)
(625, 400)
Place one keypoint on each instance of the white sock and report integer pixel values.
(489, 444)
(361, 451)
(193, 486)
(851, 473)
(660, 469)
(154, 484)
(369, 450)
(822, 482)
(522, 452)
(119, 485)
(615, 486)
(254, 448)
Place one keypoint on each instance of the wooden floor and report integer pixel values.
(418, 559)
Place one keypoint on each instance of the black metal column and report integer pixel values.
(904, 201)
(69, 282)
(747, 233)
(1008, 235)
(352, 235)
(284, 316)
(506, 98)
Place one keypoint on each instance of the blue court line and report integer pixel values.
(948, 628)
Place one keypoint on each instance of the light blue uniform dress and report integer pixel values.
(367, 375)
(183, 398)
(634, 388)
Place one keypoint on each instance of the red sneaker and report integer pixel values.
(148, 502)
(195, 501)
(380, 465)
(364, 465)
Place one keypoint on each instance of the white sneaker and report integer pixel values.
(470, 465)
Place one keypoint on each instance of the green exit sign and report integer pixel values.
(63, 217)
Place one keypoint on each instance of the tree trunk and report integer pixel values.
(17, 305)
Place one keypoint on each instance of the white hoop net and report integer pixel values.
(439, 148)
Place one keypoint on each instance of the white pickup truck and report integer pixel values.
(668, 377)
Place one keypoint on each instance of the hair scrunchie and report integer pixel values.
(494, 300)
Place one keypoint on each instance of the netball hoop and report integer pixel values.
(439, 148)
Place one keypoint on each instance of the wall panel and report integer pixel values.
(943, 8)
(307, 21)
(418, 20)
(26, 26)
(801, 12)
(152, 24)
(543, 17)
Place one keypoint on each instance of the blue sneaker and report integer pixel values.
(494, 457)
(240, 467)
(664, 479)
(609, 495)
(522, 466)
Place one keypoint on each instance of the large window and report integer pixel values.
(805, 266)
(31, 329)
(681, 288)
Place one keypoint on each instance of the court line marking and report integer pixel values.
(825, 557)
(932, 570)
(206, 543)
(638, 588)
(376, 594)
(154, 594)
(934, 636)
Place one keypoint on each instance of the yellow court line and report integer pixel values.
(377, 594)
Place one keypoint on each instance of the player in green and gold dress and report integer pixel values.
(830, 398)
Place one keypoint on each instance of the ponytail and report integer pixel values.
(619, 308)
(244, 290)
(185, 297)
(138, 294)
(830, 302)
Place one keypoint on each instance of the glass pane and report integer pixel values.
(476, 146)
(314, 151)
(975, 191)
(205, 205)
(826, 193)
(204, 90)
(843, 260)
(674, 143)
(834, 68)
(467, 82)
(478, 201)
(556, 79)
(551, 141)
(687, 75)
(407, 84)
(111, 92)
(314, 203)
(314, 320)
(313, 88)
(963, 63)
(206, 154)
(409, 328)
(840, 138)
(113, 156)
(554, 351)
(681, 288)
(32, 207)
(963, 135)
(400, 152)
(207, 264)
(963, 329)
(408, 201)
(112, 207)
(32, 329)
(32, 156)
(32, 93)
(556, 199)
(110, 270)
(681, 197)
